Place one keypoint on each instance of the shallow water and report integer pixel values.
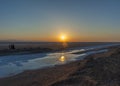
(14, 64)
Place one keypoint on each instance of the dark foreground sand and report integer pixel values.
(101, 69)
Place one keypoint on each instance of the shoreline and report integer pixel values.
(37, 50)
(51, 75)
(98, 50)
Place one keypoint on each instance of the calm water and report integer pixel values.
(14, 64)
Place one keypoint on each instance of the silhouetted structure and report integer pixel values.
(12, 46)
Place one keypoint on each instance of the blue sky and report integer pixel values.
(45, 20)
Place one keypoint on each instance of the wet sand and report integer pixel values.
(96, 70)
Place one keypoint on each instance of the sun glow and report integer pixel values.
(63, 38)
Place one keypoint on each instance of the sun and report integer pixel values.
(63, 38)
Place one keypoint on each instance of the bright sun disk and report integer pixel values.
(63, 37)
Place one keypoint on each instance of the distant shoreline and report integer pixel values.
(28, 48)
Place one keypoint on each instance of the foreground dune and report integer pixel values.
(101, 69)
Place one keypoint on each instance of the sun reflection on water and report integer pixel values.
(62, 58)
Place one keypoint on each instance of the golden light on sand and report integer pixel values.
(62, 58)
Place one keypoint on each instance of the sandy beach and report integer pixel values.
(95, 70)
